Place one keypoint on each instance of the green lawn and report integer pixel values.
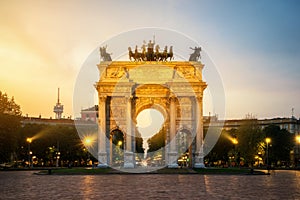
(222, 171)
(78, 171)
(95, 171)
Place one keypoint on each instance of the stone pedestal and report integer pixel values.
(102, 158)
(128, 159)
(172, 161)
(199, 163)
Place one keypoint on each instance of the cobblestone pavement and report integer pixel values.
(25, 185)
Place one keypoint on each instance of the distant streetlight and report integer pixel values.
(88, 141)
(57, 158)
(29, 140)
(298, 139)
(235, 142)
(120, 143)
(268, 140)
(298, 150)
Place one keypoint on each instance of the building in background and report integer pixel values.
(89, 114)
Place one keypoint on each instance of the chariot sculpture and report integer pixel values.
(150, 54)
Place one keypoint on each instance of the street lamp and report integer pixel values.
(235, 142)
(87, 141)
(57, 158)
(268, 140)
(29, 140)
(120, 143)
(298, 150)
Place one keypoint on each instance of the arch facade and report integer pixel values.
(173, 88)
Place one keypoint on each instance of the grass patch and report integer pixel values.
(174, 171)
(204, 171)
(222, 171)
(80, 171)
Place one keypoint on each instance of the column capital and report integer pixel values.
(128, 96)
(172, 98)
(198, 98)
(102, 98)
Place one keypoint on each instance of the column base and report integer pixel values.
(199, 160)
(199, 165)
(128, 165)
(128, 160)
(173, 165)
(172, 160)
(102, 158)
(102, 165)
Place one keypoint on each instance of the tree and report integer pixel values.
(48, 140)
(249, 138)
(281, 144)
(8, 106)
(224, 146)
(157, 141)
(10, 116)
(139, 143)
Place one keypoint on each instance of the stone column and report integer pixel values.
(128, 154)
(102, 153)
(199, 133)
(173, 153)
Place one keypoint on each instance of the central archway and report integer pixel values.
(150, 123)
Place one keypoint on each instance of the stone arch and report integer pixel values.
(176, 91)
(116, 128)
(152, 96)
(156, 106)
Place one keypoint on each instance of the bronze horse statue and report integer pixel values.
(137, 56)
(104, 55)
(131, 54)
(196, 55)
(165, 54)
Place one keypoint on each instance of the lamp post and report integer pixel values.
(57, 155)
(29, 140)
(235, 142)
(57, 159)
(119, 150)
(268, 140)
(87, 143)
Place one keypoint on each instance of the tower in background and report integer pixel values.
(58, 108)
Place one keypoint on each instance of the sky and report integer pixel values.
(255, 46)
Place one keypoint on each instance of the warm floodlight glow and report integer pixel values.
(87, 141)
(29, 140)
(120, 143)
(234, 141)
(268, 140)
(298, 138)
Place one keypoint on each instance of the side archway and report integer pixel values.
(116, 143)
(185, 146)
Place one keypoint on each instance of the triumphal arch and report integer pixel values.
(175, 88)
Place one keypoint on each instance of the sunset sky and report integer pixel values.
(255, 46)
